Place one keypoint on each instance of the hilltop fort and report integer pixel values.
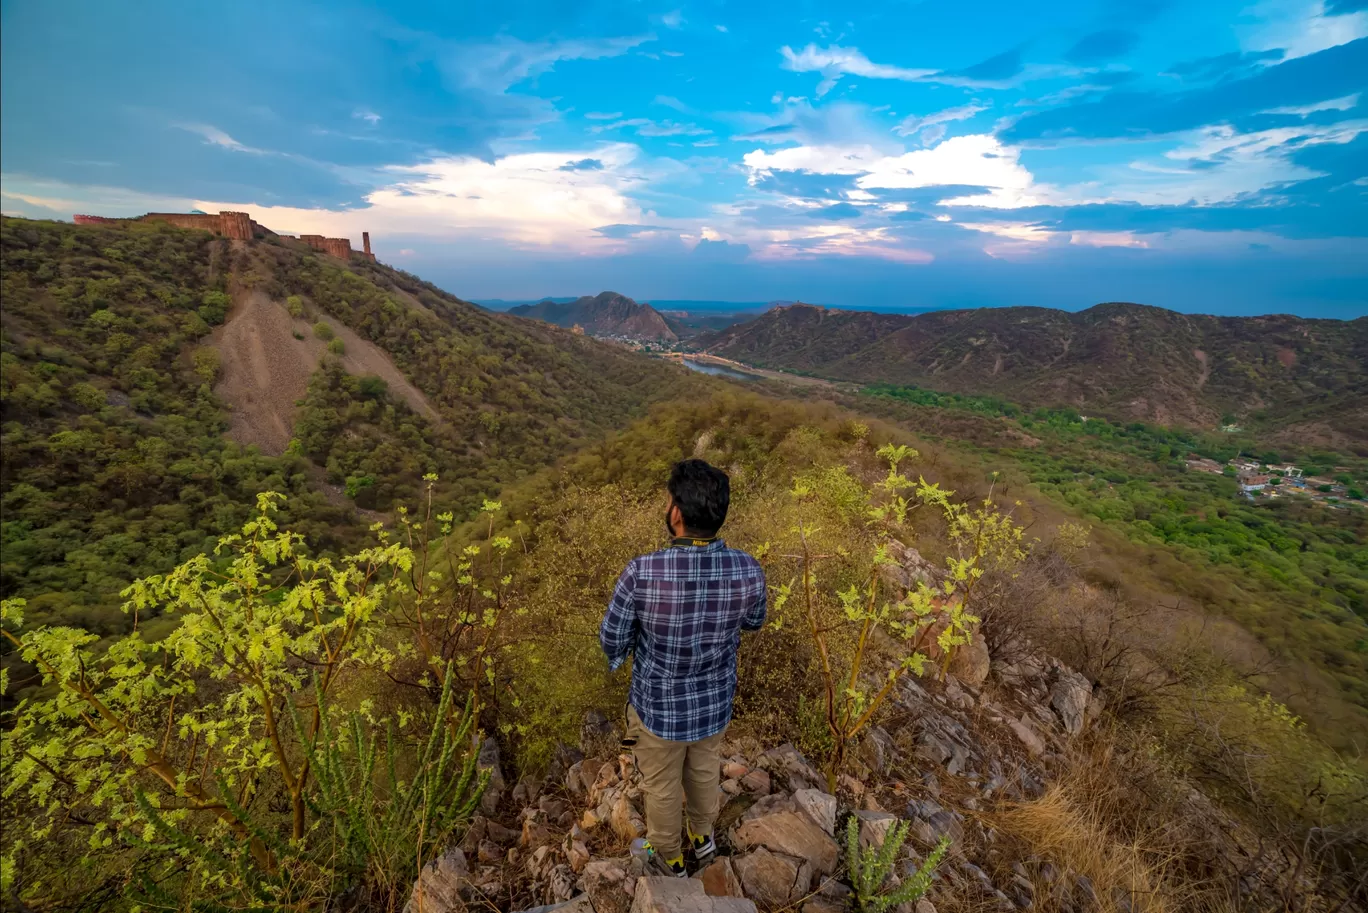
(238, 226)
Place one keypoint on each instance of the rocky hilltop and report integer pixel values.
(1128, 360)
(605, 314)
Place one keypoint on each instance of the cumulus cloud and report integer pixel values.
(526, 200)
(976, 160)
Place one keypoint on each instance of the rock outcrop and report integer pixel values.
(965, 743)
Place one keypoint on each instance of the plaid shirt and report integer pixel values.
(682, 611)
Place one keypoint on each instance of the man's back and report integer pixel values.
(682, 610)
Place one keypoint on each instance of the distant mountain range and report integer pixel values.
(1306, 376)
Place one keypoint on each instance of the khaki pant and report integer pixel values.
(670, 773)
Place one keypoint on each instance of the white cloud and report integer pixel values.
(673, 19)
(215, 137)
(366, 115)
(1300, 27)
(977, 160)
(495, 66)
(1334, 104)
(721, 28)
(834, 61)
(813, 159)
(526, 200)
(670, 101)
(602, 115)
(1106, 239)
(912, 123)
(647, 127)
(827, 240)
(1218, 165)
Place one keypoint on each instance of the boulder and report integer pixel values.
(574, 781)
(874, 827)
(562, 883)
(756, 781)
(719, 879)
(878, 749)
(439, 884)
(783, 828)
(819, 806)
(626, 821)
(733, 770)
(599, 737)
(797, 772)
(608, 885)
(535, 835)
(663, 894)
(488, 760)
(927, 832)
(1034, 744)
(822, 905)
(1069, 694)
(773, 880)
(971, 661)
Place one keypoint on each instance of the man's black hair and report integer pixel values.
(702, 493)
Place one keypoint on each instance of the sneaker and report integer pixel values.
(704, 849)
(657, 863)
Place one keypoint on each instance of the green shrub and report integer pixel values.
(337, 346)
(295, 305)
(870, 867)
(323, 330)
(245, 792)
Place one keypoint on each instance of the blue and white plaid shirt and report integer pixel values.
(681, 611)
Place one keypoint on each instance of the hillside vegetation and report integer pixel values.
(825, 500)
(1300, 376)
(115, 459)
(241, 679)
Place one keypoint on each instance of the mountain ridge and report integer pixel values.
(605, 314)
(1131, 360)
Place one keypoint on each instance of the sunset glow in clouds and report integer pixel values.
(1200, 156)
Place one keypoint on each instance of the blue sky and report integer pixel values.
(1205, 156)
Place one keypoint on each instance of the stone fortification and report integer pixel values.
(238, 226)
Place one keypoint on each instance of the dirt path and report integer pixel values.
(265, 370)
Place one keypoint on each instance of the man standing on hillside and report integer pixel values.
(681, 612)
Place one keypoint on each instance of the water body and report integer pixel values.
(718, 370)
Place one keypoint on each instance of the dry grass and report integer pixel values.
(1128, 828)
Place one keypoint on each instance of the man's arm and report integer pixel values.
(617, 634)
(754, 619)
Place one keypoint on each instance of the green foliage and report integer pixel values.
(870, 868)
(115, 460)
(337, 346)
(1293, 572)
(214, 307)
(177, 751)
(323, 330)
(982, 538)
(295, 305)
